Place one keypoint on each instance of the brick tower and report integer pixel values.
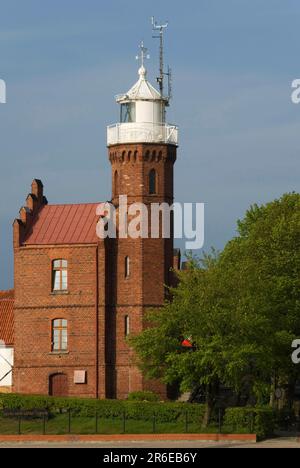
(142, 151)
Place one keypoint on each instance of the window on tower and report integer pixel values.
(59, 275)
(116, 183)
(128, 112)
(152, 182)
(127, 325)
(127, 267)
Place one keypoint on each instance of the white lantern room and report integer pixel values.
(142, 115)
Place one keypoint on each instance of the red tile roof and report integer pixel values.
(7, 317)
(65, 224)
(9, 294)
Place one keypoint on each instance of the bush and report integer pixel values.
(258, 420)
(143, 396)
(285, 418)
(84, 407)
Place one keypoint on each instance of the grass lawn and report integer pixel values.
(59, 424)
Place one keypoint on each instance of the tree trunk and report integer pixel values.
(272, 391)
(209, 402)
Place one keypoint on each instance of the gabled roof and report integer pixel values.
(64, 224)
(142, 90)
(7, 317)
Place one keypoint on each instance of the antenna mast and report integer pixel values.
(160, 28)
(170, 84)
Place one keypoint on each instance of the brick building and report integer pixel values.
(78, 297)
(6, 340)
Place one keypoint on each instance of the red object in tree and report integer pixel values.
(186, 344)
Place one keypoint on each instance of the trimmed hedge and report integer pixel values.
(143, 396)
(258, 420)
(84, 407)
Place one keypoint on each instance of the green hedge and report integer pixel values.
(135, 410)
(258, 420)
(143, 396)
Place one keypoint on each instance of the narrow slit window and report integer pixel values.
(127, 325)
(152, 182)
(127, 267)
(116, 182)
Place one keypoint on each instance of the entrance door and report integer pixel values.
(58, 385)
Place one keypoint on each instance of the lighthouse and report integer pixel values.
(142, 149)
(78, 297)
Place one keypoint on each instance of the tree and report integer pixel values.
(269, 247)
(242, 308)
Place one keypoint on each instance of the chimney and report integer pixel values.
(25, 215)
(37, 189)
(34, 202)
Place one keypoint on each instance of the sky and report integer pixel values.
(233, 64)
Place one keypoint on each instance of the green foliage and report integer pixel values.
(241, 307)
(258, 420)
(84, 407)
(286, 418)
(261, 421)
(143, 396)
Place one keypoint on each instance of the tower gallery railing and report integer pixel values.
(142, 133)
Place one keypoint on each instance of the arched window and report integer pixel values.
(127, 267)
(60, 275)
(152, 182)
(59, 335)
(126, 325)
(116, 182)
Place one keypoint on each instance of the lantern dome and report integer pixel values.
(142, 114)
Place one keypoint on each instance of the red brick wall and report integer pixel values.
(99, 296)
(36, 306)
(151, 259)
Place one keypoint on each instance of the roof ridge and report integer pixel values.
(73, 204)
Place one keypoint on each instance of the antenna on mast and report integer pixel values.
(160, 79)
(170, 84)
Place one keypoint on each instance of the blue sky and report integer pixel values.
(233, 63)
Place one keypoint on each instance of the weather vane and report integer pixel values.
(143, 54)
